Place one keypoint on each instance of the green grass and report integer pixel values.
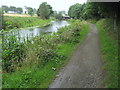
(22, 22)
(109, 50)
(41, 77)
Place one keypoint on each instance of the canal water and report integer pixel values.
(35, 31)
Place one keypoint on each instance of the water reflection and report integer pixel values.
(37, 30)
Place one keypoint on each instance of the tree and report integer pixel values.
(75, 10)
(12, 8)
(19, 10)
(58, 16)
(5, 8)
(90, 11)
(34, 11)
(30, 10)
(62, 12)
(44, 10)
(54, 12)
(108, 10)
(50, 8)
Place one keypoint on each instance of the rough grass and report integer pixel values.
(21, 22)
(33, 76)
(109, 50)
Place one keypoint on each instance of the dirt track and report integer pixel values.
(84, 69)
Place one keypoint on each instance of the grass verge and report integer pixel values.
(22, 22)
(109, 50)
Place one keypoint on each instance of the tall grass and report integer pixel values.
(21, 22)
(109, 50)
(42, 57)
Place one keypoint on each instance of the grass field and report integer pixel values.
(19, 15)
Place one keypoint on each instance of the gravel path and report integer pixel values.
(84, 69)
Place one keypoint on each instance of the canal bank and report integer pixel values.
(9, 23)
(36, 64)
(36, 31)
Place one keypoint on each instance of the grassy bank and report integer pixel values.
(21, 22)
(36, 63)
(109, 50)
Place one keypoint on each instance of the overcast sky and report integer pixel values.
(57, 5)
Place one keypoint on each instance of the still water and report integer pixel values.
(35, 31)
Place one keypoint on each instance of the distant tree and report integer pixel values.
(44, 10)
(5, 8)
(75, 10)
(58, 16)
(19, 10)
(62, 12)
(34, 11)
(54, 12)
(30, 10)
(12, 8)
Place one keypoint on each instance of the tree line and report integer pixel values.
(31, 11)
(89, 10)
(44, 11)
(14, 9)
(96, 10)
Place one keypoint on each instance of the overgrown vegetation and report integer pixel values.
(95, 10)
(21, 22)
(44, 11)
(109, 50)
(34, 64)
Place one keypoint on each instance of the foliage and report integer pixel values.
(62, 12)
(109, 50)
(5, 8)
(29, 10)
(90, 11)
(74, 11)
(12, 8)
(13, 52)
(34, 11)
(20, 22)
(19, 10)
(44, 10)
(95, 10)
(58, 16)
(50, 8)
(43, 54)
